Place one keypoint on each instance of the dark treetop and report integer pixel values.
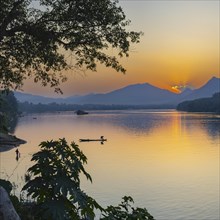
(35, 40)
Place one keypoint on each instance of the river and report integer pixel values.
(167, 161)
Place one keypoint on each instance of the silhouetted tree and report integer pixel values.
(8, 111)
(54, 182)
(36, 35)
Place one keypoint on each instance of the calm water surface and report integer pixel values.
(166, 160)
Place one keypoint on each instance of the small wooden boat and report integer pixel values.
(87, 140)
(81, 112)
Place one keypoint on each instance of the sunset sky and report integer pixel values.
(180, 47)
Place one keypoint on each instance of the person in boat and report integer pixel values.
(102, 137)
(81, 112)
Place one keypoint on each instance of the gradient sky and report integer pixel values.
(180, 46)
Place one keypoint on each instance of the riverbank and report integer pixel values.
(7, 142)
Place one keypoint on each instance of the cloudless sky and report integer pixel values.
(180, 47)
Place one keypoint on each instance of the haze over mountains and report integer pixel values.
(137, 94)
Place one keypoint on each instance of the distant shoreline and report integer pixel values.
(54, 107)
(204, 105)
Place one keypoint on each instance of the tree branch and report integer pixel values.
(9, 18)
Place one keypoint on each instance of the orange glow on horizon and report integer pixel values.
(180, 46)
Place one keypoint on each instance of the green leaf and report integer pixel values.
(55, 181)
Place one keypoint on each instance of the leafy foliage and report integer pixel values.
(34, 40)
(8, 111)
(56, 182)
(125, 211)
(53, 183)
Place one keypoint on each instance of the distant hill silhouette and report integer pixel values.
(137, 94)
(207, 90)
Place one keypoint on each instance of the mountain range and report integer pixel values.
(136, 94)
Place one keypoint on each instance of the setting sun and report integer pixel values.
(180, 45)
(134, 133)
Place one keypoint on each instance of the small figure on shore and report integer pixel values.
(17, 154)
